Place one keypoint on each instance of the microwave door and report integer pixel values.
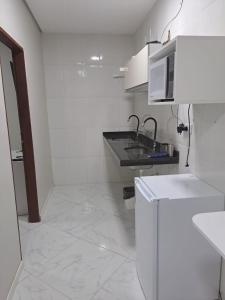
(158, 80)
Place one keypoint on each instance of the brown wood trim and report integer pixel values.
(25, 124)
(6, 39)
(26, 134)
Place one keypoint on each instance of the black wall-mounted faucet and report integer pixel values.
(156, 127)
(138, 124)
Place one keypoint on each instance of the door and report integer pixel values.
(15, 139)
(10, 255)
(146, 211)
(19, 74)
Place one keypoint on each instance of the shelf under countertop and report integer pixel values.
(16, 155)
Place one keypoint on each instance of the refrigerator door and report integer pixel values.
(146, 239)
(189, 268)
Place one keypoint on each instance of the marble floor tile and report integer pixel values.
(116, 233)
(31, 288)
(23, 275)
(24, 238)
(81, 248)
(123, 285)
(25, 230)
(76, 194)
(108, 198)
(25, 226)
(65, 198)
(55, 207)
(81, 270)
(75, 218)
(43, 244)
(112, 189)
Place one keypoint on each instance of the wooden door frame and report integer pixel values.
(25, 124)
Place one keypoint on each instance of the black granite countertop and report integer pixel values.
(131, 151)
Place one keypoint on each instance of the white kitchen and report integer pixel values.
(112, 178)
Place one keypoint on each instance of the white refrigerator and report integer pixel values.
(174, 262)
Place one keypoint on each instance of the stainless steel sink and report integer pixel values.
(137, 152)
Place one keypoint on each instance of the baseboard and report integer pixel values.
(43, 209)
(15, 282)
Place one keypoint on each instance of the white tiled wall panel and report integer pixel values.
(83, 101)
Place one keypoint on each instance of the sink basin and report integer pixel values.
(137, 152)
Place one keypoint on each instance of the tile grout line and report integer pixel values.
(107, 280)
(38, 277)
(46, 284)
(94, 206)
(76, 238)
(89, 242)
(102, 247)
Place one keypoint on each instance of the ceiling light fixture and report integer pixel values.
(97, 58)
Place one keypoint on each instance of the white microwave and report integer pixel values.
(161, 79)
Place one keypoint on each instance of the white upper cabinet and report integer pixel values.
(136, 77)
(199, 70)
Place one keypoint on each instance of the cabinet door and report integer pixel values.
(10, 255)
(129, 77)
(141, 67)
(146, 240)
(137, 73)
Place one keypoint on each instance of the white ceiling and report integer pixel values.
(90, 16)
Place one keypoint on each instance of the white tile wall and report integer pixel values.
(83, 101)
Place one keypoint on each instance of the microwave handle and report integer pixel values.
(165, 76)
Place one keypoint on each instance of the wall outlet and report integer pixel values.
(186, 126)
(182, 128)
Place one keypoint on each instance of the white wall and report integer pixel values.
(9, 237)
(10, 98)
(17, 21)
(13, 128)
(83, 101)
(202, 17)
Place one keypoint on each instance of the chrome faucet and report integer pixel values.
(155, 131)
(138, 122)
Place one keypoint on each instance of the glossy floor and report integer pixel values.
(84, 249)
